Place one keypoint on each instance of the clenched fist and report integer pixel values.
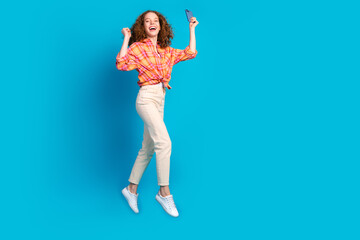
(193, 22)
(126, 32)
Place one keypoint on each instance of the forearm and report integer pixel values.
(124, 48)
(192, 43)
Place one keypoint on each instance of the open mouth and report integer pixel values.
(152, 28)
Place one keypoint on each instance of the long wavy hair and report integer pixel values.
(138, 30)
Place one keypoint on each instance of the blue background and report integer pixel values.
(264, 122)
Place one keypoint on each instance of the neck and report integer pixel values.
(153, 39)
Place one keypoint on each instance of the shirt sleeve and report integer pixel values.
(183, 55)
(127, 62)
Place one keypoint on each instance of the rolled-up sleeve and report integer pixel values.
(127, 62)
(183, 55)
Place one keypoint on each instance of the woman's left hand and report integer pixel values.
(193, 22)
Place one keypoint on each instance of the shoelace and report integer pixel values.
(171, 202)
(135, 198)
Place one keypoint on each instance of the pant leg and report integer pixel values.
(150, 107)
(143, 158)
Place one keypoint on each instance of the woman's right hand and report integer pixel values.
(126, 32)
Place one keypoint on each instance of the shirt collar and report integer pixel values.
(146, 40)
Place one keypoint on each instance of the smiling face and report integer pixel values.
(151, 24)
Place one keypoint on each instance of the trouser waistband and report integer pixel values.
(158, 85)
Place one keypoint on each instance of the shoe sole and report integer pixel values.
(159, 201)
(125, 194)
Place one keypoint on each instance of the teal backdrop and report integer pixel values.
(264, 122)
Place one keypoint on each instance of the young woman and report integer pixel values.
(151, 55)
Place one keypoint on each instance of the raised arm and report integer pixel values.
(126, 59)
(190, 51)
(192, 25)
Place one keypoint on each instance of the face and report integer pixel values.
(151, 21)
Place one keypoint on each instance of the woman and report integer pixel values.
(151, 55)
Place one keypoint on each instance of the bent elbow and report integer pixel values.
(120, 66)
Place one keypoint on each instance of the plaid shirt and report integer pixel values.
(153, 64)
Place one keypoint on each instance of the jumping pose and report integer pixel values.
(151, 55)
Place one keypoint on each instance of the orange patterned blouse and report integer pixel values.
(153, 64)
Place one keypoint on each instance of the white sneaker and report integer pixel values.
(131, 199)
(168, 204)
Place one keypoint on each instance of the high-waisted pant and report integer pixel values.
(150, 103)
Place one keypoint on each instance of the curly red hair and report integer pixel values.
(138, 30)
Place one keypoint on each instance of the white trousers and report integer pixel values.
(150, 103)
